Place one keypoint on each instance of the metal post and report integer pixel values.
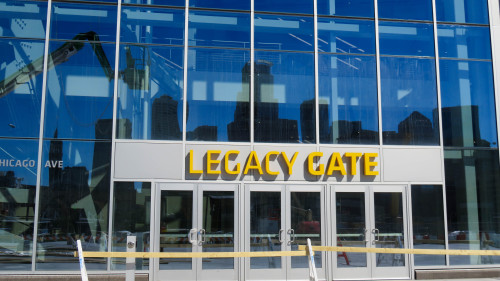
(83, 270)
(313, 275)
(130, 262)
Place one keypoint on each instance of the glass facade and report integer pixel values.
(312, 73)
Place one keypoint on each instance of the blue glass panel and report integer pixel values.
(284, 97)
(217, 29)
(83, 22)
(157, 26)
(406, 10)
(285, 6)
(468, 104)
(464, 42)
(221, 4)
(472, 192)
(462, 11)
(18, 164)
(179, 3)
(409, 101)
(20, 87)
(348, 111)
(26, 19)
(346, 36)
(355, 8)
(150, 93)
(74, 202)
(284, 33)
(401, 38)
(79, 101)
(218, 95)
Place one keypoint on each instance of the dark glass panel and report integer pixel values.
(221, 4)
(408, 39)
(150, 93)
(355, 8)
(285, 6)
(26, 19)
(464, 42)
(473, 203)
(218, 95)
(265, 225)
(346, 36)
(284, 33)
(348, 99)
(148, 25)
(428, 222)
(83, 22)
(406, 10)
(20, 87)
(409, 101)
(284, 97)
(74, 197)
(131, 217)
(468, 104)
(179, 3)
(80, 85)
(462, 11)
(18, 164)
(218, 29)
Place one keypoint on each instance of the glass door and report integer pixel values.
(279, 218)
(370, 217)
(196, 218)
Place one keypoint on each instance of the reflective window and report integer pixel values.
(284, 33)
(355, 8)
(83, 22)
(472, 195)
(74, 197)
(221, 4)
(79, 100)
(409, 101)
(463, 11)
(348, 111)
(468, 104)
(217, 29)
(150, 93)
(346, 36)
(20, 87)
(26, 19)
(179, 3)
(428, 222)
(18, 164)
(464, 42)
(285, 6)
(402, 38)
(218, 95)
(147, 25)
(131, 217)
(406, 10)
(284, 97)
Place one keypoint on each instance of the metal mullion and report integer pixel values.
(184, 90)
(379, 89)
(113, 132)
(316, 73)
(494, 19)
(252, 76)
(440, 120)
(40, 136)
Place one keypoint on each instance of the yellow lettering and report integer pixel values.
(253, 158)
(310, 164)
(191, 169)
(336, 158)
(290, 163)
(354, 158)
(211, 162)
(226, 163)
(268, 170)
(369, 164)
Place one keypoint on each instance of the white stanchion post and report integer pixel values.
(83, 270)
(130, 262)
(313, 275)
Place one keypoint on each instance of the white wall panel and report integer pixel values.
(412, 164)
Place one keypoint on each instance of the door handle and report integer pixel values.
(201, 237)
(190, 235)
(365, 232)
(280, 234)
(291, 232)
(376, 232)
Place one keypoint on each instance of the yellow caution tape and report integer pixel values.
(406, 251)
